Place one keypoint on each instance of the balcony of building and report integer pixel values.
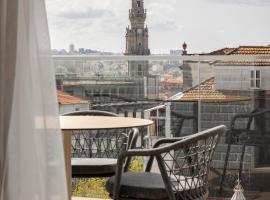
(215, 89)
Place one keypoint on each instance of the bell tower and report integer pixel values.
(137, 39)
(137, 34)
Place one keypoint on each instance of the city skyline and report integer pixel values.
(204, 25)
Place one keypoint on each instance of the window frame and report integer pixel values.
(255, 77)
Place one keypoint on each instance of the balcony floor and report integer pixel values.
(85, 198)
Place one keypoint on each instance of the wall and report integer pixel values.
(73, 107)
(192, 75)
(238, 77)
(221, 113)
(214, 114)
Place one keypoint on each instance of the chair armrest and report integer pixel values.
(241, 116)
(167, 141)
(156, 145)
(214, 133)
(249, 116)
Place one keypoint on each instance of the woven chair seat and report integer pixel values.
(183, 164)
(147, 185)
(88, 167)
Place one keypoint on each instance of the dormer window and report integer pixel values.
(138, 4)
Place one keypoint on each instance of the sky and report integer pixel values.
(205, 25)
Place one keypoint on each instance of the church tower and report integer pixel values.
(137, 39)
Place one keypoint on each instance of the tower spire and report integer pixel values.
(137, 34)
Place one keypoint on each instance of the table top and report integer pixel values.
(101, 122)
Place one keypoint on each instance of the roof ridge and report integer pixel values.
(259, 46)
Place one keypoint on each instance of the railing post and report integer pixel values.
(168, 120)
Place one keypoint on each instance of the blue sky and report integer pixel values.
(205, 25)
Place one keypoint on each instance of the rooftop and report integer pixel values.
(172, 81)
(220, 52)
(206, 92)
(243, 50)
(243, 63)
(254, 50)
(67, 99)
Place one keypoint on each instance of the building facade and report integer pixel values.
(237, 78)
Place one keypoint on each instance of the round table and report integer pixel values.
(69, 123)
(101, 122)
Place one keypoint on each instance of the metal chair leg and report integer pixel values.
(225, 165)
(241, 161)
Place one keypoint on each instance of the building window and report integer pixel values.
(255, 79)
(138, 4)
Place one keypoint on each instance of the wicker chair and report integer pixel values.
(183, 163)
(255, 131)
(95, 152)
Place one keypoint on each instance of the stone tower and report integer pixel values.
(137, 39)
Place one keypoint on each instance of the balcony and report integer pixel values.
(213, 90)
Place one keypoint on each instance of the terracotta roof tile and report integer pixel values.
(67, 99)
(220, 52)
(251, 50)
(207, 93)
(243, 63)
(172, 81)
(244, 50)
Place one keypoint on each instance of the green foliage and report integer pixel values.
(137, 165)
(95, 187)
(92, 188)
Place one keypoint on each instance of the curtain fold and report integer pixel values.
(8, 43)
(31, 158)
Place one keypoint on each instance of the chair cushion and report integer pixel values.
(93, 167)
(147, 185)
(140, 185)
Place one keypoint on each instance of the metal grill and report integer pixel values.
(98, 143)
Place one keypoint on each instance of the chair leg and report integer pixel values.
(241, 161)
(225, 166)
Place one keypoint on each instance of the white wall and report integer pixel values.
(73, 107)
(238, 77)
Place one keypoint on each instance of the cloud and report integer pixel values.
(87, 13)
(204, 24)
(243, 2)
(165, 25)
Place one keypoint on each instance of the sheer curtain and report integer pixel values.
(31, 158)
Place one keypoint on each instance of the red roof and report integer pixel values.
(251, 50)
(67, 99)
(206, 92)
(221, 52)
(243, 63)
(172, 81)
(242, 50)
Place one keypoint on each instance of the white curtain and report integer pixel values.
(31, 150)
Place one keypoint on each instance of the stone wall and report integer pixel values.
(214, 114)
(188, 125)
